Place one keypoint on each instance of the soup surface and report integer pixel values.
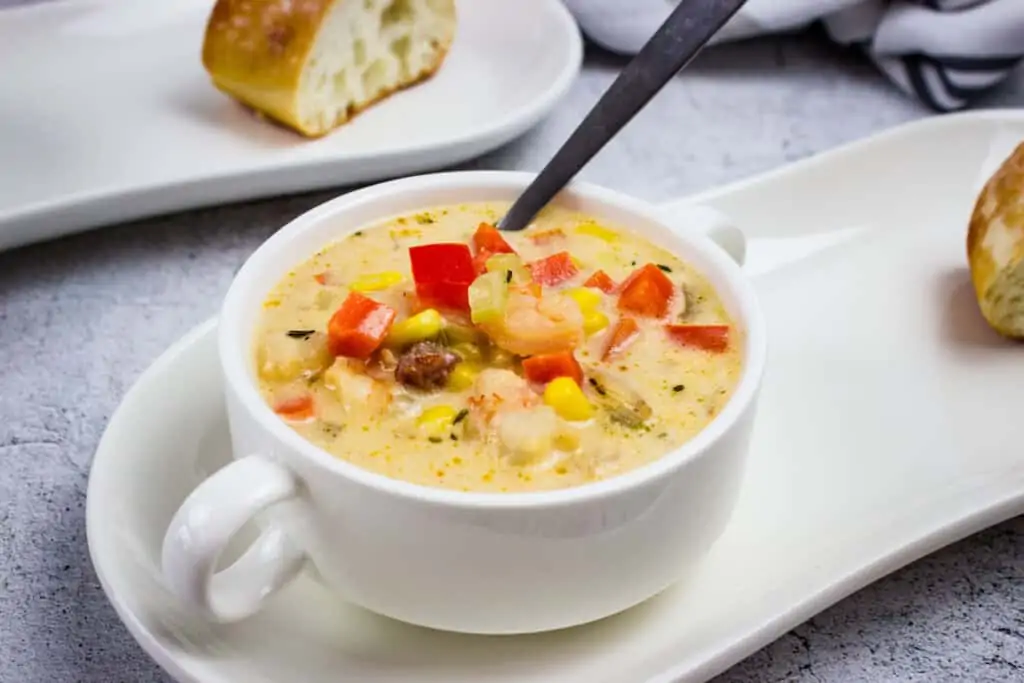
(432, 348)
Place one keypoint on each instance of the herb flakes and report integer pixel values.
(300, 334)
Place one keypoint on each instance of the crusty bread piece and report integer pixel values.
(312, 64)
(995, 247)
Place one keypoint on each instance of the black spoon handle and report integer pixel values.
(690, 26)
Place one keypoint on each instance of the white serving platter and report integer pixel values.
(106, 113)
(889, 427)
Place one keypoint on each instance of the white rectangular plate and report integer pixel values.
(889, 426)
(889, 423)
(107, 114)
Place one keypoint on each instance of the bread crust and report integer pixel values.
(255, 52)
(995, 245)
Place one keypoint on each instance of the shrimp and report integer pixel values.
(497, 391)
(355, 389)
(537, 324)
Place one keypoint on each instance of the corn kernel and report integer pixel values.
(420, 327)
(593, 322)
(595, 230)
(587, 298)
(436, 420)
(373, 282)
(567, 399)
(462, 377)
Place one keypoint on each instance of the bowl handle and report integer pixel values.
(712, 223)
(205, 523)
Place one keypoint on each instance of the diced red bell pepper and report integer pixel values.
(554, 269)
(295, 408)
(445, 295)
(625, 333)
(714, 338)
(322, 278)
(648, 291)
(443, 273)
(358, 327)
(601, 280)
(546, 367)
(488, 238)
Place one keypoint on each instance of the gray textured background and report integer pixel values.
(80, 318)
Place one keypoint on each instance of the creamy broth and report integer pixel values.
(496, 405)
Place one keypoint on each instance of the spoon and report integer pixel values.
(688, 29)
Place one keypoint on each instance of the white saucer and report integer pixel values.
(889, 427)
(110, 116)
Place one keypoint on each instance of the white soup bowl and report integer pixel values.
(461, 561)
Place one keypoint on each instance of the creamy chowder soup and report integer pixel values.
(435, 349)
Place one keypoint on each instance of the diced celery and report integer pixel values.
(488, 296)
(509, 263)
(500, 358)
(455, 334)
(468, 352)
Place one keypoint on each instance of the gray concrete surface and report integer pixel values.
(80, 318)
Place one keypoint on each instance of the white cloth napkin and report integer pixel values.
(946, 52)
